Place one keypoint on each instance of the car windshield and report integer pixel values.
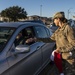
(5, 34)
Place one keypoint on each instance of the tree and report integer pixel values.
(14, 13)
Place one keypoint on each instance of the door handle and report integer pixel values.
(38, 47)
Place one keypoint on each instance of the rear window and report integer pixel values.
(5, 34)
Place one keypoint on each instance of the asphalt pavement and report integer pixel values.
(50, 70)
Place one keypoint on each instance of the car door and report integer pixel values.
(5, 34)
(4, 68)
(28, 63)
(47, 48)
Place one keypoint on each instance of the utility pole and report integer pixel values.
(68, 15)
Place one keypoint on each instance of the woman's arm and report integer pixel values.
(46, 40)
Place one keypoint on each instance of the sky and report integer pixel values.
(44, 8)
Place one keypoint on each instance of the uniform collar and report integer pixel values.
(63, 27)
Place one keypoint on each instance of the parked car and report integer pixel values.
(18, 58)
(53, 28)
(72, 23)
(34, 21)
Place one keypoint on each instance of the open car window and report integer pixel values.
(25, 37)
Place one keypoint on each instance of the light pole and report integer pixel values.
(68, 12)
(40, 10)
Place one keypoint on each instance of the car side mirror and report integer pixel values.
(22, 49)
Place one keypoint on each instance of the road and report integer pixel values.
(50, 70)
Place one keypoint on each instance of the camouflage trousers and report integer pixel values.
(69, 67)
(69, 63)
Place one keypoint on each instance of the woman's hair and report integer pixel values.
(64, 20)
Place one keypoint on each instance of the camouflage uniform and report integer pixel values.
(65, 40)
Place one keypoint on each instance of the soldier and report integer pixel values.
(65, 42)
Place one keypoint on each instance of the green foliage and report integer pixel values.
(14, 13)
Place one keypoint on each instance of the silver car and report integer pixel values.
(18, 57)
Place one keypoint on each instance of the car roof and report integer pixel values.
(34, 21)
(16, 24)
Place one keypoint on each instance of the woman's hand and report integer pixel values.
(57, 50)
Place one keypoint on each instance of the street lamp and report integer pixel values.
(40, 10)
(68, 12)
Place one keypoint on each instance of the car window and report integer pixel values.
(25, 37)
(41, 32)
(48, 32)
(5, 34)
